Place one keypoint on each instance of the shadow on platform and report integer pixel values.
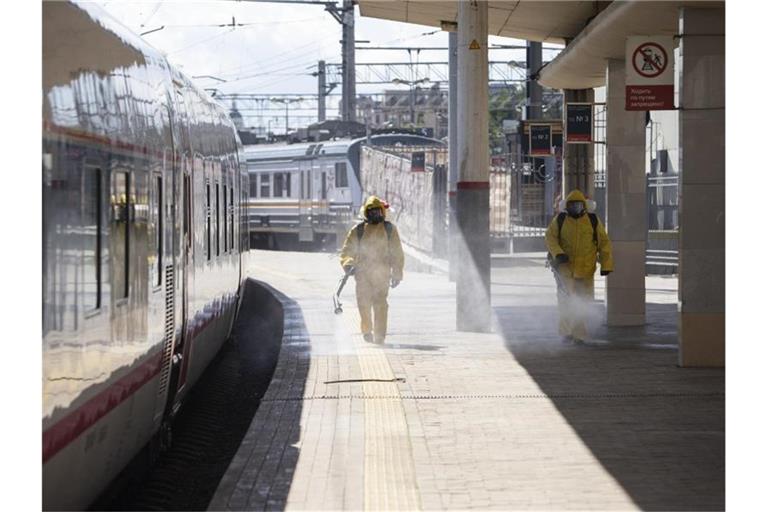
(659, 430)
(265, 486)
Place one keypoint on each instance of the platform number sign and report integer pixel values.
(578, 123)
(540, 139)
(650, 80)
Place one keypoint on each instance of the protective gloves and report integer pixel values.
(561, 258)
(394, 282)
(605, 272)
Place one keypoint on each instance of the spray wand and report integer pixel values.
(348, 271)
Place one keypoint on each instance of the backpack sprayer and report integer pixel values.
(336, 299)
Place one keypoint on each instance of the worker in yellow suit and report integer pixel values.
(577, 241)
(373, 253)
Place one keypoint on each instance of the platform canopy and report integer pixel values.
(583, 62)
(552, 22)
(592, 31)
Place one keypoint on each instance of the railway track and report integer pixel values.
(210, 426)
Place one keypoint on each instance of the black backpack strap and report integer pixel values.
(360, 228)
(560, 221)
(593, 220)
(388, 226)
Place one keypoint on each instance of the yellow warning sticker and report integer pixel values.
(474, 45)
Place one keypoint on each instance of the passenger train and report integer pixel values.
(143, 188)
(309, 194)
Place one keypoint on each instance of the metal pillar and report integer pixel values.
(473, 305)
(453, 163)
(349, 106)
(579, 159)
(701, 332)
(533, 105)
(533, 108)
(321, 91)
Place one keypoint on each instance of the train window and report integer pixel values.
(224, 218)
(122, 209)
(278, 180)
(159, 227)
(92, 227)
(226, 231)
(208, 220)
(341, 175)
(287, 184)
(218, 225)
(323, 190)
(264, 185)
(253, 186)
(232, 218)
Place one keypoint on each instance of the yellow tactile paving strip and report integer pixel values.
(466, 424)
(390, 476)
(389, 472)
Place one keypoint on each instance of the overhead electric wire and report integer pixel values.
(262, 61)
(274, 71)
(201, 42)
(259, 68)
(154, 11)
(221, 25)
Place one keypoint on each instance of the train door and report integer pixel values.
(323, 195)
(306, 233)
(186, 245)
(177, 270)
(165, 274)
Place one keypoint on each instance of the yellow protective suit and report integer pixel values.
(377, 258)
(576, 239)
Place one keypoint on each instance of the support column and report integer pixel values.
(453, 163)
(349, 90)
(578, 159)
(321, 91)
(534, 108)
(626, 217)
(701, 331)
(473, 305)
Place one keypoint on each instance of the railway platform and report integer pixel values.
(440, 419)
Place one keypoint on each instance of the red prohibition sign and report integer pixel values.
(650, 60)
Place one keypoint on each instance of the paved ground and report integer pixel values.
(438, 419)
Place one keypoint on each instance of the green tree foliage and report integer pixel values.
(504, 102)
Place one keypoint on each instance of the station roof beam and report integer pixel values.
(552, 22)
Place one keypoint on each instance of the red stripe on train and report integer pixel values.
(75, 423)
(101, 139)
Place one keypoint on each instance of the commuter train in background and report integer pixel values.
(308, 194)
(143, 189)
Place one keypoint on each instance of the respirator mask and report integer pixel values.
(575, 208)
(375, 215)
